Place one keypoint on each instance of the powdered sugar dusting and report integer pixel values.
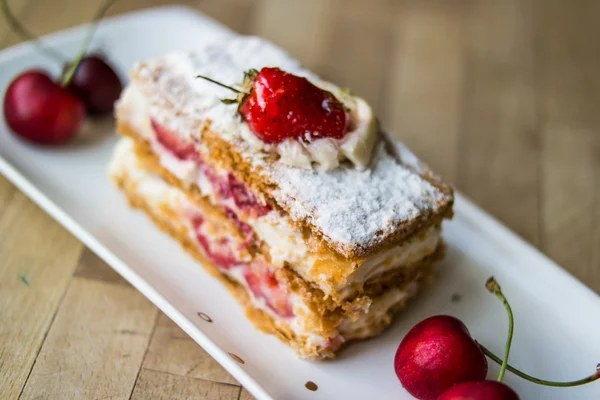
(356, 208)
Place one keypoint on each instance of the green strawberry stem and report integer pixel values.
(206, 78)
(496, 359)
(86, 42)
(25, 34)
(494, 288)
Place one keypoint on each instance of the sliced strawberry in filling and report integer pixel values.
(244, 199)
(264, 285)
(229, 187)
(226, 186)
(244, 227)
(218, 250)
(174, 144)
(261, 281)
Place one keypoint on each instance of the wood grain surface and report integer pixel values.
(501, 97)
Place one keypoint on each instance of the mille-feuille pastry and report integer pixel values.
(283, 185)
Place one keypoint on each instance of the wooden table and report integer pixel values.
(501, 97)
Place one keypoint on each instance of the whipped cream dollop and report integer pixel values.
(225, 60)
(327, 153)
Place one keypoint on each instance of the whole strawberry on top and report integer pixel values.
(278, 105)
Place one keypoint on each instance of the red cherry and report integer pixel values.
(281, 105)
(97, 84)
(436, 354)
(479, 390)
(39, 110)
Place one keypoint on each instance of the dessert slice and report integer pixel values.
(298, 168)
(277, 300)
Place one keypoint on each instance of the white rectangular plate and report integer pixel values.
(557, 318)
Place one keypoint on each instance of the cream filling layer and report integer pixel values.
(284, 241)
(378, 314)
(410, 252)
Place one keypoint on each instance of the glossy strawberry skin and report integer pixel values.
(281, 105)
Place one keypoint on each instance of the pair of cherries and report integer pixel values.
(50, 112)
(439, 360)
(47, 112)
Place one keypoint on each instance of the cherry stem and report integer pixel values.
(219, 83)
(493, 287)
(544, 382)
(86, 42)
(27, 35)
